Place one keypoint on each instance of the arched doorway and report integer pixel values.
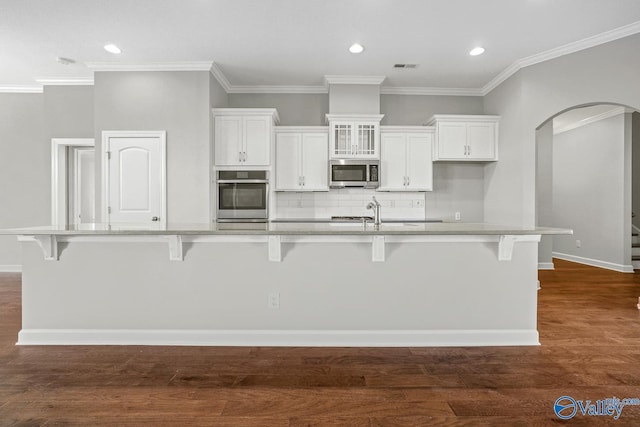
(584, 181)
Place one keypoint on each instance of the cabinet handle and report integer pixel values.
(408, 181)
(240, 156)
(244, 156)
(303, 183)
(468, 150)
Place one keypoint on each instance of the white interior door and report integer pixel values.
(82, 202)
(135, 178)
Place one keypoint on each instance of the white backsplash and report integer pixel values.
(348, 202)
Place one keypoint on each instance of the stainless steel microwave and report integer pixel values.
(354, 173)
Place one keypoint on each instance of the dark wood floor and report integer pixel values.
(590, 333)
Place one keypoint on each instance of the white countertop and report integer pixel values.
(290, 228)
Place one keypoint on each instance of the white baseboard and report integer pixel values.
(279, 338)
(11, 268)
(594, 262)
(545, 266)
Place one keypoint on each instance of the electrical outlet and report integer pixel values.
(274, 300)
(458, 216)
(578, 244)
(418, 203)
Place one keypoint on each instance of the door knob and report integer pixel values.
(155, 218)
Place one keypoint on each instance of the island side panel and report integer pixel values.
(436, 288)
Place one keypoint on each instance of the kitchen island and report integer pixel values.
(288, 284)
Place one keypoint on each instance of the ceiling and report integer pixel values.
(295, 43)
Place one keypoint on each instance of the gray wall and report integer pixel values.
(417, 109)
(605, 73)
(457, 187)
(68, 112)
(589, 190)
(178, 102)
(544, 191)
(635, 184)
(354, 99)
(25, 158)
(293, 109)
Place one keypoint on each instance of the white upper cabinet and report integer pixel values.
(465, 137)
(406, 158)
(302, 158)
(242, 136)
(354, 136)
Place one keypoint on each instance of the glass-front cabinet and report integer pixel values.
(354, 136)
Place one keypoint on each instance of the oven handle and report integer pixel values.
(242, 181)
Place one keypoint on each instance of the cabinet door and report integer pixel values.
(288, 157)
(227, 140)
(366, 139)
(315, 161)
(452, 140)
(481, 139)
(342, 136)
(257, 134)
(392, 162)
(419, 162)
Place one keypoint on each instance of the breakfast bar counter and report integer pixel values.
(281, 283)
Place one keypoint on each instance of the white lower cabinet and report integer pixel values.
(406, 162)
(302, 158)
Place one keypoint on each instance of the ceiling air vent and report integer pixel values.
(405, 65)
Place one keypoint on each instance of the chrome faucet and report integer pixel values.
(376, 210)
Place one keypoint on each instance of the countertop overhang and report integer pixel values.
(288, 229)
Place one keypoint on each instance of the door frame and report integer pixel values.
(59, 182)
(162, 136)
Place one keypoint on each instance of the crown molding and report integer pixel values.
(151, 66)
(220, 77)
(589, 42)
(20, 89)
(611, 113)
(437, 91)
(65, 82)
(278, 89)
(353, 80)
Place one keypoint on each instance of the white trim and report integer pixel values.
(557, 52)
(353, 80)
(220, 77)
(278, 89)
(162, 135)
(410, 128)
(298, 129)
(20, 89)
(45, 81)
(357, 117)
(11, 268)
(151, 66)
(431, 91)
(607, 114)
(248, 112)
(288, 338)
(546, 266)
(594, 262)
(59, 214)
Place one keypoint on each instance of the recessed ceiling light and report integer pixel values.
(476, 51)
(356, 48)
(112, 48)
